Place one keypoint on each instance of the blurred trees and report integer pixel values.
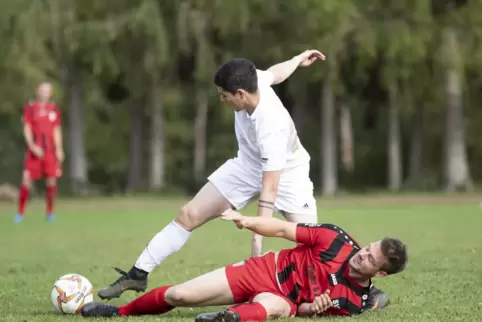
(394, 106)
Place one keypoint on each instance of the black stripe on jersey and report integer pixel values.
(332, 251)
(344, 303)
(359, 291)
(286, 272)
(293, 295)
(334, 228)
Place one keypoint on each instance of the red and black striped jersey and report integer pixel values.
(320, 263)
(42, 121)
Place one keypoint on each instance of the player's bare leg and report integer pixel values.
(263, 306)
(23, 196)
(208, 203)
(210, 289)
(51, 193)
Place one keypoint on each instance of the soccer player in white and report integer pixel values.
(271, 162)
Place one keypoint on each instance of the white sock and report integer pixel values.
(166, 242)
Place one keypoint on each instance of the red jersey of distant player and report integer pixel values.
(42, 119)
(322, 263)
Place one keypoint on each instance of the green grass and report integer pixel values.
(442, 282)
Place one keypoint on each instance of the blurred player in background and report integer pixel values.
(328, 273)
(271, 162)
(44, 152)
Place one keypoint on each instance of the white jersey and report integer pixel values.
(267, 139)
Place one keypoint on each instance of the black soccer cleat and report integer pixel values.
(223, 316)
(377, 299)
(122, 284)
(97, 309)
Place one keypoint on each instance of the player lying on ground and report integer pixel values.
(44, 154)
(326, 274)
(271, 162)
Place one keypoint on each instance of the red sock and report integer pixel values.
(22, 199)
(150, 303)
(51, 193)
(250, 312)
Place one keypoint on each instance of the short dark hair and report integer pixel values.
(396, 253)
(236, 74)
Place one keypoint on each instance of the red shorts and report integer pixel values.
(47, 166)
(254, 276)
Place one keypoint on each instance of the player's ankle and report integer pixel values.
(137, 273)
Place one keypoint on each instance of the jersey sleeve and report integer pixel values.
(318, 235)
(272, 144)
(27, 115)
(265, 78)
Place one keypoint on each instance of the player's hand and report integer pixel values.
(37, 150)
(60, 155)
(235, 217)
(321, 303)
(308, 57)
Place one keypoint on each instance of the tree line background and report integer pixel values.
(395, 105)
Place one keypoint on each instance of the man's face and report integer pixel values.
(236, 101)
(369, 260)
(44, 91)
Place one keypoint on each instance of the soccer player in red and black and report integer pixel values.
(44, 152)
(328, 273)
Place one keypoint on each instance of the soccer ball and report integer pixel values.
(70, 292)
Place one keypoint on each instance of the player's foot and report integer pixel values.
(50, 217)
(377, 299)
(223, 316)
(18, 218)
(96, 309)
(124, 283)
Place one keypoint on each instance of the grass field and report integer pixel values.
(443, 281)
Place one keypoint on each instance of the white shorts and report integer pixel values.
(239, 186)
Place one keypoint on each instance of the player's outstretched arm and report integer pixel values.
(284, 70)
(264, 226)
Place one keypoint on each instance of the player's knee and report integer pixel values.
(189, 217)
(275, 306)
(180, 296)
(51, 182)
(26, 181)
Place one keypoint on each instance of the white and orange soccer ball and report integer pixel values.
(70, 292)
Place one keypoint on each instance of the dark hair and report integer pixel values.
(236, 74)
(396, 253)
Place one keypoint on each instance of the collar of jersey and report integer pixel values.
(347, 276)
